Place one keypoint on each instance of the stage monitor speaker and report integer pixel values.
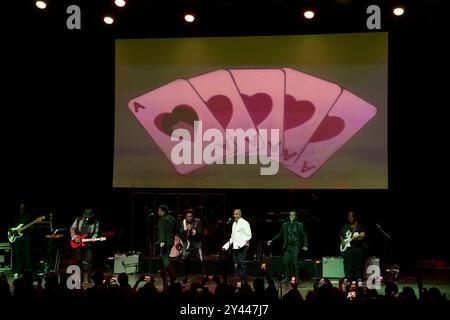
(333, 267)
(5, 256)
(126, 263)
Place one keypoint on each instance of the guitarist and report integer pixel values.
(355, 255)
(22, 245)
(85, 226)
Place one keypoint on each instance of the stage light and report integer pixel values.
(399, 11)
(41, 4)
(108, 20)
(120, 3)
(189, 17)
(308, 14)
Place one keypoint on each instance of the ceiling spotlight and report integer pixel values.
(189, 18)
(308, 14)
(399, 11)
(120, 3)
(108, 20)
(41, 4)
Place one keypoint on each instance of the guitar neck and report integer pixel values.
(93, 239)
(28, 225)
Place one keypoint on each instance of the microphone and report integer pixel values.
(229, 220)
(148, 212)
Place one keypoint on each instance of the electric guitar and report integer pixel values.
(82, 240)
(14, 233)
(348, 240)
(177, 247)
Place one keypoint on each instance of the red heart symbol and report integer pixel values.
(222, 108)
(258, 106)
(329, 128)
(166, 122)
(296, 112)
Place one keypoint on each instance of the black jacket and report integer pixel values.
(166, 230)
(303, 239)
(196, 240)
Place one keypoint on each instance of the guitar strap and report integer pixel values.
(78, 231)
(188, 242)
(354, 229)
(84, 228)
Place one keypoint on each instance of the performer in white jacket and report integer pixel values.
(240, 238)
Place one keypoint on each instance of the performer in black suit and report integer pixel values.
(191, 233)
(294, 238)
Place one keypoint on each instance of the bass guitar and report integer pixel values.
(348, 240)
(17, 232)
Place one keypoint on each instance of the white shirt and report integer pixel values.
(240, 235)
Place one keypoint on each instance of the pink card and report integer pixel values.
(173, 106)
(308, 99)
(218, 91)
(262, 91)
(349, 114)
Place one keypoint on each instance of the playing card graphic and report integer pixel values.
(262, 91)
(218, 91)
(348, 115)
(307, 100)
(314, 117)
(173, 106)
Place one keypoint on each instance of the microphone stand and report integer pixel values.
(387, 238)
(58, 253)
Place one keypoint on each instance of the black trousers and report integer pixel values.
(22, 253)
(164, 254)
(354, 262)
(191, 254)
(84, 257)
(239, 256)
(290, 260)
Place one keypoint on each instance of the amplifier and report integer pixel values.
(333, 267)
(126, 263)
(6, 256)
